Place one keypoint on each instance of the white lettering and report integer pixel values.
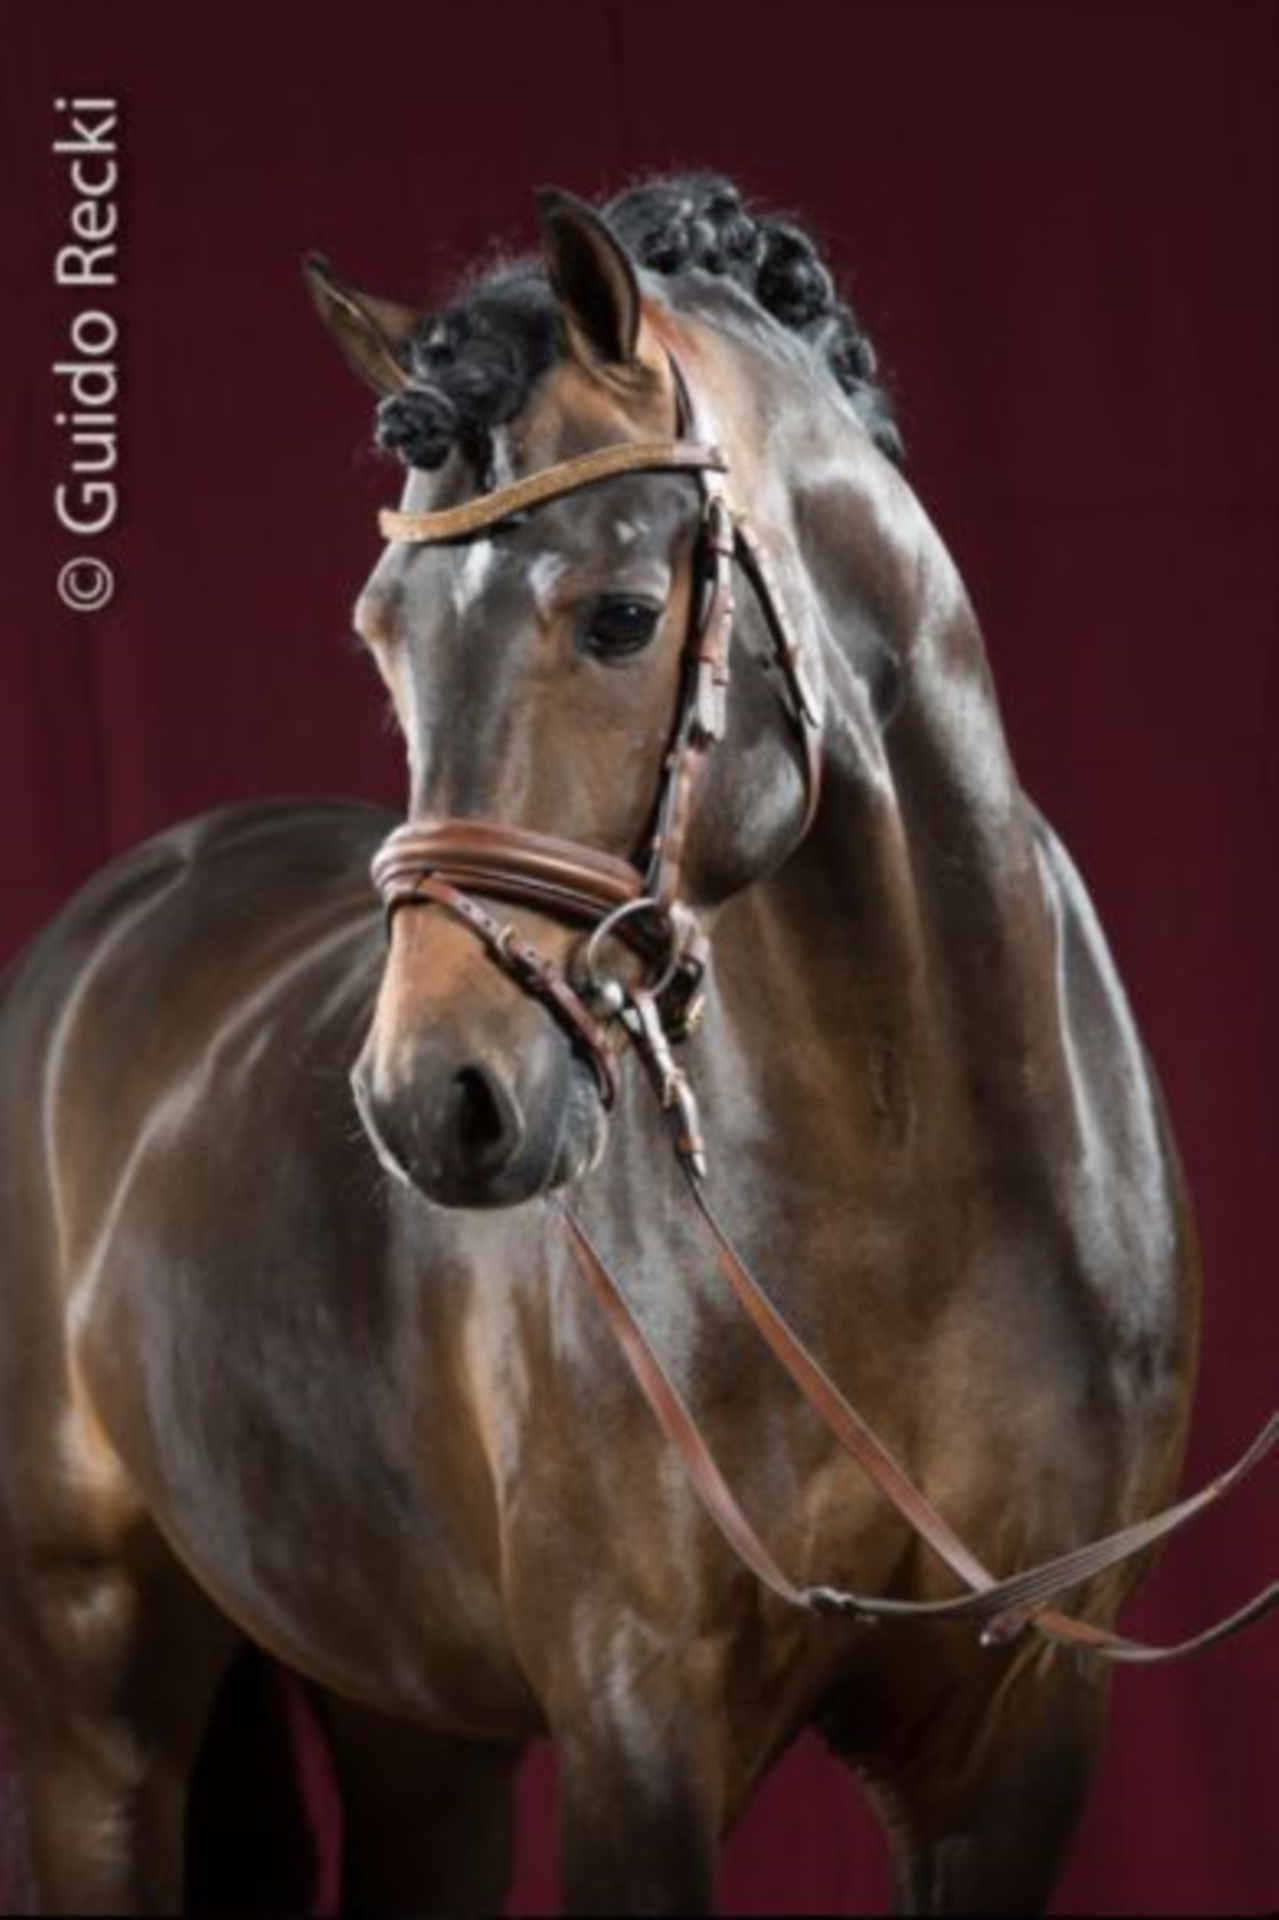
(90, 508)
(86, 266)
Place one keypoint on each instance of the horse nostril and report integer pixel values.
(487, 1119)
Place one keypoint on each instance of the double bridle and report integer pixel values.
(638, 903)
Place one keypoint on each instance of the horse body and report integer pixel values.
(256, 1387)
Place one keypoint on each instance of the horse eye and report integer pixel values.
(622, 626)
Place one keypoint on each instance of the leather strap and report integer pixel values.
(1004, 1608)
(675, 1420)
(549, 483)
(532, 971)
(445, 862)
(703, 708)
(1009, 1604)
(579, 882)
(510, 863)
(701, 718)
(798, 670)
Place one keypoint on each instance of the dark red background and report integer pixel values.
(1058, 222)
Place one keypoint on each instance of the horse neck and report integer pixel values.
(916, 911)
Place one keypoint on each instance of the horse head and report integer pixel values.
(559, 665)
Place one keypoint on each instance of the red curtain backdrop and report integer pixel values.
(1058, 223)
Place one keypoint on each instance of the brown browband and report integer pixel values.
(446, 862)
(551, 483)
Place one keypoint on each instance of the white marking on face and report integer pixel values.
(629, 531)
(501, 465)
(544, 577)
(472, 576)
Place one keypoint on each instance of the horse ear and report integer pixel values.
(593, 280)
(373, 334)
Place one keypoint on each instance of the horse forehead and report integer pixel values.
(545, 573)
(472, 575)
(618, 511)
(612, 525)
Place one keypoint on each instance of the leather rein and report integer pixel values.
(448, 862)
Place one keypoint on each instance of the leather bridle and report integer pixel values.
(448, 862)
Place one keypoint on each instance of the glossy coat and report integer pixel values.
(260, 1377)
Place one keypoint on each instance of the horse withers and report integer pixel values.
(713, 843)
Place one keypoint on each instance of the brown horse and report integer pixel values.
(332, 1382)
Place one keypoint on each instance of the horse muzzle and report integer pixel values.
(467, 1089)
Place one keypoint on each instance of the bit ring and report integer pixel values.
(605, 990)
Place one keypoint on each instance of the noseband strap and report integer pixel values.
(558, 876)
(532, 971)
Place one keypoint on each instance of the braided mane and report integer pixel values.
(474, 363)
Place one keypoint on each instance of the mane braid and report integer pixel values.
(475, 363)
